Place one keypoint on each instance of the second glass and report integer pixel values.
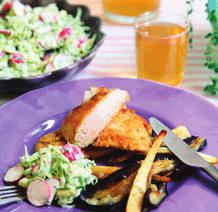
(124, 11)
(161, 46)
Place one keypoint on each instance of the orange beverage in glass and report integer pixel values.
(124, 11)
(161, 46)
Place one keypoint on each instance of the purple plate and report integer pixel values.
(24, 120)
(25, 84)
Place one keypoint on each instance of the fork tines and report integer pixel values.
(9, 194)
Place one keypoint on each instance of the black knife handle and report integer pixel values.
(211, 171)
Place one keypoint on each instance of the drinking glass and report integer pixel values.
(161, 46)
(124, 11)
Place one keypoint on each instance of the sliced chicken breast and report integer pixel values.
(85, 122)
(91, 92)
(126, 131)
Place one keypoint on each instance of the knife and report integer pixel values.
(182, 150)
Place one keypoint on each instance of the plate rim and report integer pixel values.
(97, 79)
(116, 78)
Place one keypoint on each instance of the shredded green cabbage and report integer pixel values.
(29, 35)
(73, 176)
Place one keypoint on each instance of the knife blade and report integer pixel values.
(182, 150)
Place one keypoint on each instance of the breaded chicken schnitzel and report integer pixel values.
(126, 131)
(57, 139)
(102, 124)
(85, 122)
(54, 139)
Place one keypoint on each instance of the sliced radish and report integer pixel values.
(72, 152)
(57, 39)
(7, 32)
(48, 42)
(27, 8)
(40, 28)
(62, 60)
(7, 6)
(42, 42)
(14, 174)
(36, 24)
(65, 33)
(35, 169)
(81, 41)
(43, 29)
(17, 58)
(18, 8)
(38, 192)
(49, 67)
(48, 17)
(54, 184)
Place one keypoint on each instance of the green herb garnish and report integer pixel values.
(212, 47)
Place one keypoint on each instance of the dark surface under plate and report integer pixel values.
(24, 120)
(22, 85)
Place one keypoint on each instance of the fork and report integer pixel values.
(10, 194)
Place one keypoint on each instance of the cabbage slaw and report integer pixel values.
(52, 163)
(41, 39)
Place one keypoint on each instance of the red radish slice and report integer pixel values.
(7, 6)
(6, 9)
(17, 58)
(38, 192)
(7, 32)
(72, 152)
(18, 8)
(54, 184)
(36, 24)
(48, 17)
(40, 28)
(35, 169)
(57, 39)
(42, 42)
(49, 67)
(27, 8)
(14, 174)
(43, 30)
(81, 41)
(46, 41)
(62, 60)
(65, 33)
